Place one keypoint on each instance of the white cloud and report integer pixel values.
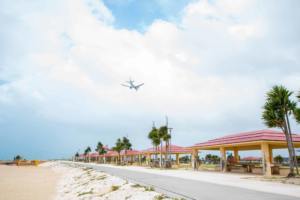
(210, 71)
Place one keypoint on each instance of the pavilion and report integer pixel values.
(264, 140)
(172, 150)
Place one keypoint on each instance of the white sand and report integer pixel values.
(78, 183)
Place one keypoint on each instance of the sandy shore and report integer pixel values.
(82, 183)
(27, 183)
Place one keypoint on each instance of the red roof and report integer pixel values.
(173, 149)
(267, 135)
(110, 154)
(94, 154)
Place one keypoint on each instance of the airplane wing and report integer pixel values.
(139, 85)
(125, 85)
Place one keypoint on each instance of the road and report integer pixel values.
(191, 189)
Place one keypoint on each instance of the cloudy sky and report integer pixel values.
(206, 64)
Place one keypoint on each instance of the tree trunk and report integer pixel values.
(160, 162)
(293, 148)
(289, 149)
(166, 153)
(125, 156)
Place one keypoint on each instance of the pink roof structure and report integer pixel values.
(260, 135)
(110, 154)
(131, 152)
(173, 149)
(94, 155)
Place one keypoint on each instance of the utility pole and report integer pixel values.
(170, 131)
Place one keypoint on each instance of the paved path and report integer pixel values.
(191, 189)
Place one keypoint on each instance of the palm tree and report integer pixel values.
(100, 149)
(87, 151)
(276, 113)
(166, 138)
(297, 114)
(17, 158)
(118, 148)
(297, 110)
(76, 156)
(162, 132)
(126, 146)
(154, 137)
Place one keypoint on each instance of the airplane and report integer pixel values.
(131, 85)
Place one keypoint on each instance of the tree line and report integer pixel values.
(121, 144)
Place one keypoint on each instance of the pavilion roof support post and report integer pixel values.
(194, 158)
(236, 154)
(223, 161)
(177, 159)
(140, 159)
(160, 160)
(266, 158)
(148, 159)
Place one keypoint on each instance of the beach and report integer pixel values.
(84, 183)
(66, 181)
(27, 183)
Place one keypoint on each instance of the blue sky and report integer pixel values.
(139, 14)
(205, 64)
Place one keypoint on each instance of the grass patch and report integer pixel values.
(159, 197)
(136, 186)
(101, 177)
(149, 189)
(115, 187)
(85, 193)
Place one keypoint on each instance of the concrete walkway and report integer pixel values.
(203, 185)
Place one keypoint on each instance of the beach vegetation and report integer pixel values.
(115, 187)
(276, 112)
(128, 197)
(136, 186)
(101, 177)
(149, 189)
(85, 193)
(159, 197)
